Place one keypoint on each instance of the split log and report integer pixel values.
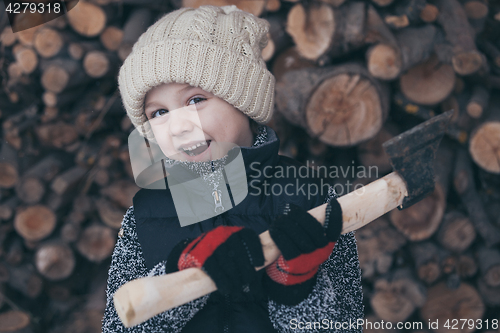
(377, 243)
(478, 101)
(111, 38)
(357, 104)
(397, 296)
(466, 58)
(96, 242)
(465, 186)
(421, 220)
(428, 83)
(484, 144)
(321, 32)
(55, 260)
(466, 300)
(456, 232)
(136, 24)
(489, 264)
(35, 222)
(60, 74)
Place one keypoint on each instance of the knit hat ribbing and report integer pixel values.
(215, 48)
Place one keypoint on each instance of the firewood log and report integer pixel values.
(466, 265)
(489, 264)
(26, 58)
(87, 19)
(78, 49)
(289, 60)
(96, 242)
(397, 296)
(490, 295)
(35, 222)
(67, 180)
(110, 213)
(61, 74)
(63, 99)
(404, 13)
(382, 3)
(14, 321)
(357, 103)
(429, 13)
(465, 186)
(452, 17)
(111, 38)
(48, 42)
(7, 208)
(121, 192)
(137, 23)
(321, 32)
(466, 300)
(98, 64)
(484, 144)
(255, 7)
(420, 221)
(427, 257)
(456, 232)
(428, 83)
(55, 260)
(58, 135)
(8, 38)
(478, 101)
(8, 166)
(376, 244)
(371, 153)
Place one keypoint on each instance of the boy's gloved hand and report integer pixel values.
(304, 244)
(227, 254)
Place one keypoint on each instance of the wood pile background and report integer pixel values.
(350, 74)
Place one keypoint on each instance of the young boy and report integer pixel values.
(196, 85)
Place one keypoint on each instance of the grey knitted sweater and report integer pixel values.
(334, 305)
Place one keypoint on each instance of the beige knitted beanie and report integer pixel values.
(215, 48)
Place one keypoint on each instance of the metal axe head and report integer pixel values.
(412, 155)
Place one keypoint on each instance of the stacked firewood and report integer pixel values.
(350, 75)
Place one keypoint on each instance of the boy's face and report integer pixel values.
(191, 124)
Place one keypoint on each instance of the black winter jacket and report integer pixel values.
(150, 229)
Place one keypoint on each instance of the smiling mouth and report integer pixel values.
(197, 149)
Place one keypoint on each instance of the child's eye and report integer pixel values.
(157, 113)
(200, 99)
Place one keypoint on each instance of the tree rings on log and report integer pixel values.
(484, 146)
(421, 220)
(464, 302)
(96, 243)
(87, 19)
(35, 223)
(428, 83)
(55, 261)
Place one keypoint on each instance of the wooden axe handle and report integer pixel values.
(143, 298)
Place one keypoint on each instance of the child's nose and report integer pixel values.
(181, 122)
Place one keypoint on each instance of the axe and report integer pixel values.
(412, 156)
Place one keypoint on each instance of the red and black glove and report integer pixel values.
(304, 244)
(227, 254)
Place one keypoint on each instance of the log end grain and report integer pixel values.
(55, 261)
(111, 38)
(429, 13)
(87, 19)
(428, 83)
(476, 10)
(35, 223)
(96, 243)
(484, 146)
(466, 63)
(47, 42)
(312, 30)
(8, 175)
(96, 64)
(384, 61)
(12, 321)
